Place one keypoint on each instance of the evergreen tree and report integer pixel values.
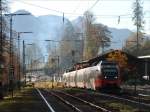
(138, 15)
(138, 20)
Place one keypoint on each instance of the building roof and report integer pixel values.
(142, 57)
(104, 55)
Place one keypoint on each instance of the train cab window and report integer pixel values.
(110, 73)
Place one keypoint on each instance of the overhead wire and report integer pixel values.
(77, 7)
(39, 6)
(94, 4)
(60, 12)
(75, 14)
(58, 41)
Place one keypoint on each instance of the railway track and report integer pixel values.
(125, 99)
(76, 103)
(54, 104)
(143, 98)
(88, 101)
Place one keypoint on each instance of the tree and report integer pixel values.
(138, 19)
(97, 36)
(89, 41)
(34, 54)
(82, 40)
(3, 28)
(138, 15)
(131, 44)
(3, 59)
(145, 50)
(3, 8)
(67, 46)
(103, 36)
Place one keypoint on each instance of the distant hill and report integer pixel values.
(48, 27)
(43, 27)
(26, 23)
(118, 35)
(51, 27)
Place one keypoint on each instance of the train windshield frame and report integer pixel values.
(109, 70)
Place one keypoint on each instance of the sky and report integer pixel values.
(106, 11)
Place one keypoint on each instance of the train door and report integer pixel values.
(75, 78)
(93, 77)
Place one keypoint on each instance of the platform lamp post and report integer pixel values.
(11, 66)
(19, 60)
(48, 65)
(24, 65)
(82, 43)
(54, 60)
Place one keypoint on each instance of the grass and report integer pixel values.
(121, 107)
(25, 101)
(126, 108)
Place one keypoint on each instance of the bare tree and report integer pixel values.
(3, 59)
(97, 36)
(131, 44)
(33, 53)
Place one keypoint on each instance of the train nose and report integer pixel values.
(110, 82)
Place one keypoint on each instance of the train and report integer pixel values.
(104, 74)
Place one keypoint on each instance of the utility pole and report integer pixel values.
(11, 66)
(24, 69)
(58, 66)
(137, 28)
(1, 36)
(137, 34)
(19, 60)
(1, 49)
(24, 60)
(102, 46)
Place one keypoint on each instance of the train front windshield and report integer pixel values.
(110, 70)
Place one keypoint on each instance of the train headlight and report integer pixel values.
(105, 77)
(115, 77)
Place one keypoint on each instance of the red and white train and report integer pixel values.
(102, 75)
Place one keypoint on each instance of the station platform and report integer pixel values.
(26, 100)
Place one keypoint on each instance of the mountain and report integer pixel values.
(52, 27)
(47, 27)
(26, 23)
(118, 35)
(43, 27)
